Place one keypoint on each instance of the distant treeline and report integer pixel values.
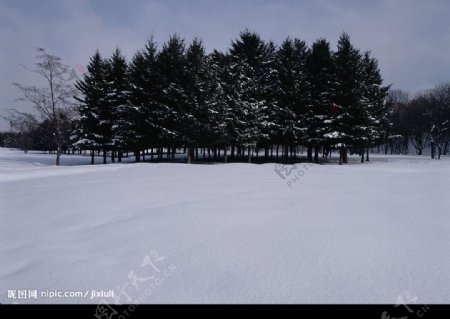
(255, 96)
(422, 120)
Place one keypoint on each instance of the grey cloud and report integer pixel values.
(411, 38)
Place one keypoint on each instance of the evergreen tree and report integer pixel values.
(270, 95)
(247, 72)
(139, 116)
(93, 128)
(195, 124)
(293, 94)
(123, 113)
(351, 125)
(222, 117)
(156, 113)
(374, 101)
(321, 114)
(171, 68)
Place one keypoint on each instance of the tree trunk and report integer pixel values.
(225, 156)
(58, 157)
(367, 155)
(189, 154)
(310, 157)
(249, 154)
(92, 157)
(137, 156)
(316, 154)
(104, 156)
(345, 157)
(57, 131)
(286, 153)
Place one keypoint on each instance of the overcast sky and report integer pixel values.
(410, 38)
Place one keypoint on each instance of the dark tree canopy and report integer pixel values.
(255, 95)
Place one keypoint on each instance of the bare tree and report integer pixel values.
(416, 122)
(55, 99)
(23, 125)
(427, 118)
(438, 117)
(398, 137)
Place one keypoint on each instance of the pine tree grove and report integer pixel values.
(256, 98)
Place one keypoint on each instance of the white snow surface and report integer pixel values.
(234, 233)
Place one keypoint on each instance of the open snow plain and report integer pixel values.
(234, 233)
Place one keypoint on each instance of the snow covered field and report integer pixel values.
(235, 233)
